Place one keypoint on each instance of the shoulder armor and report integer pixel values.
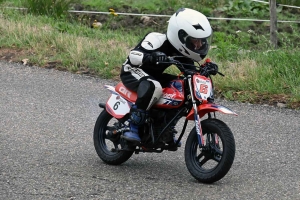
(153, 41)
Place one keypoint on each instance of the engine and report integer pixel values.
(158, 119)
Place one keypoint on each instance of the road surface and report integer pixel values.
(47, 152)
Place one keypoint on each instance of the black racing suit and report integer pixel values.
(146, 78)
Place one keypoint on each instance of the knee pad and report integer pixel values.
(144, 94)
(145, 89)
(149, 91)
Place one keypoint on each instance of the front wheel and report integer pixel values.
(210, 163)
(107, 147)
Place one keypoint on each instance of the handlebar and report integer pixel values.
(206, 69)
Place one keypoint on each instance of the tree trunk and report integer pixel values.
(273, 23)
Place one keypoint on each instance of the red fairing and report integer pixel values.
(173, 95)
(207, 108)
(129, 95)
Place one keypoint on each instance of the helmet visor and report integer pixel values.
(197, 45)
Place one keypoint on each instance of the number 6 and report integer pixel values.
(116, 106)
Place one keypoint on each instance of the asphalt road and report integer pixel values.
(47, 152)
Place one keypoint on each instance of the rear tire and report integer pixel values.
(213, 163)
(104, 146)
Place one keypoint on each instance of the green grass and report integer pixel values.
(54, 8)
(253, 69)
(79, 48)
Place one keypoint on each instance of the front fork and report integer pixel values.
(200, 137)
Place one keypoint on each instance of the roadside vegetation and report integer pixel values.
(48, 36)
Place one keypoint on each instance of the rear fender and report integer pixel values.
(207, 108)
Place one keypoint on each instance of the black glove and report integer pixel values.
(158, 57)
(213, 68)
(209, 68)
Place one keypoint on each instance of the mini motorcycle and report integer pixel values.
(210, 146)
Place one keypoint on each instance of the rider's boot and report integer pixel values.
(132, 135)
(137, 118)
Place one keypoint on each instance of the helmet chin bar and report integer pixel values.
(184, 51)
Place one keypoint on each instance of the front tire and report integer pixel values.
(211, 163)
(107, 148)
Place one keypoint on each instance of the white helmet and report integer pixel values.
(189, 31)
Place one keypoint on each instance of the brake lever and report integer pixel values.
(220, 74)
(157, 63)
(169, 61)
(189, 72)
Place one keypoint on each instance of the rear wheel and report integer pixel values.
(211, 163)
(107, 145)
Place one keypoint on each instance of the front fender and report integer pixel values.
(207, 108)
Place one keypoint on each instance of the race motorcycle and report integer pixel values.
(210, 146)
